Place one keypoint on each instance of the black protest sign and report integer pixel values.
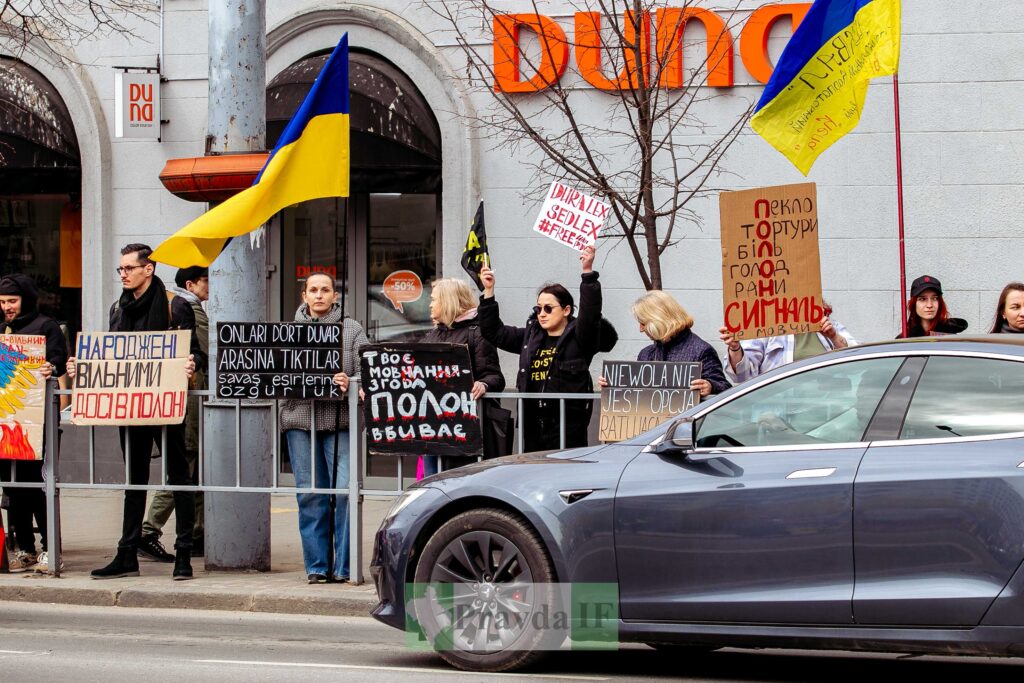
(643, 394)
(278, 360)
(418, 400)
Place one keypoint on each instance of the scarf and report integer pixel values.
(1006, 329)
(332, 316)
(468, 315)
(148, 313)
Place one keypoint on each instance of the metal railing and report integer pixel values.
(356, 453)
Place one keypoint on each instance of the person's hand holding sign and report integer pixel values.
(341, 379)
(479, 389)
(735, 350)
(190, 366)
(587, 259)
(829, 332)
(701, 386)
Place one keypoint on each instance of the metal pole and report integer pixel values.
(237, 524)
(355, 493)
(52, 423)
(899, 203)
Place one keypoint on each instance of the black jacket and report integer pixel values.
(583, 338)
(182, 318)
(482, 354)
(951, 326)
(32, 322)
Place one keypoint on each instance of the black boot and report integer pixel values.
(125, 563)
(182, 564)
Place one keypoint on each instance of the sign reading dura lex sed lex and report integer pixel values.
(137, 105)
(661, 33)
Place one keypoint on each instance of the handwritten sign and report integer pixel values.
(402, 287)
(418, 400)
(130, 378)
(278, 360)
(771, 269)
(570, 217)
(22, 394)
(642, 394)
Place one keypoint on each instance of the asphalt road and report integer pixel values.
(65, 643)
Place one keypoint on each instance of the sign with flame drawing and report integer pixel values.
(22, 394)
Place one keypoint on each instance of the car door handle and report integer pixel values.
(812, 474)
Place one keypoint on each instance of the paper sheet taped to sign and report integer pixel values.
(130, 378)
(771, 268)
(570, 217)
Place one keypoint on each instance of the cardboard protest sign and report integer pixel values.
(278, 360)
(570, 217)
(130, 378)
(771, 269)
(642, 394)
(418, 400)
(22, 394)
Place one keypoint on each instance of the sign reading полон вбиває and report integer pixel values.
(642, 394)
(278, 360)
(418, 400)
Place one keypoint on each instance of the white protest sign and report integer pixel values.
(570, 217)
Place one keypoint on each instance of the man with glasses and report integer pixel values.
(144, 306)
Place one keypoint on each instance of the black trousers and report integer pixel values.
(26, 504)
(141, 441)
(541, 423)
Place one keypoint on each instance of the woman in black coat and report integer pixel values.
(453, 308)
(555, 349)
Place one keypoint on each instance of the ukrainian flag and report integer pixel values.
(816, 94)
(310, 161)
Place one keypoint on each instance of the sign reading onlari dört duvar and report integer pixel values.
(771, 268)
(418, 400)
(278, 360)
(22, 394)
(643, 394)
(130, 378)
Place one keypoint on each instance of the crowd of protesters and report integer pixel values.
(555, 348)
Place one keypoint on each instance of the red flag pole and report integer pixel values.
(899, 202)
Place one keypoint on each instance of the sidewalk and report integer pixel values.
(91, 525)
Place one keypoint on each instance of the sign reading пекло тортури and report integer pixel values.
(278, 360)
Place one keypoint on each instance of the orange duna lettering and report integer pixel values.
(589, 47)
(553, 59)
(754, 36)
(671, 23)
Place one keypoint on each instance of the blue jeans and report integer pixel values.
(314, 508)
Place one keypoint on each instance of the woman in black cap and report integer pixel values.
(927, 314)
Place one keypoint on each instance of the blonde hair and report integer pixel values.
(454, 297)
(661, 315)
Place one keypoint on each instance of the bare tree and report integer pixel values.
(651, 155)
(62, 23)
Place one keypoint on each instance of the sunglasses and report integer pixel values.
(547, 308)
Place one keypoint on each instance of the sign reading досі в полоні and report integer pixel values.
(771, 268)
(570, 217)
(278, 360)
(130, 378)
(418, 400)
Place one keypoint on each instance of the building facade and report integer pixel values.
(72, 192)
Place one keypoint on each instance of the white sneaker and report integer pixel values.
(43, 564)
(22, 561)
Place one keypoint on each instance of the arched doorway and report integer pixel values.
(389, 225)
(390, 221)
(40, 190)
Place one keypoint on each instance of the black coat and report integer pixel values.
(482, 354)
(182, 318)
(583, 337)
(32, 322)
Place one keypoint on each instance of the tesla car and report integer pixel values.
(867, 499)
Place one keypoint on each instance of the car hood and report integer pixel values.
(510, 463)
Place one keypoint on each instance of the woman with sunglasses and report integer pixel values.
(555, 350)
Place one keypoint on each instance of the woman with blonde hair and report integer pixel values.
(667, 323)
(453, 312)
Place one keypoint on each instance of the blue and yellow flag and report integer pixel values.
(310, 161)
(816, 94)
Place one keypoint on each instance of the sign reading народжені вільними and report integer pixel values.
(278, 360)
(643, 394)
(130, 378)
(771, 268)
(418, 400)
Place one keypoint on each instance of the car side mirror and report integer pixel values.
(678, 439)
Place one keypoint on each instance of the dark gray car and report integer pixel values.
(871, 498)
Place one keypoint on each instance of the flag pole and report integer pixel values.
(899, 202)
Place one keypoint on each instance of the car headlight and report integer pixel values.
(403, 501)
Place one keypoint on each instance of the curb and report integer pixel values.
(355, 604)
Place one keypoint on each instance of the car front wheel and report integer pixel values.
(484, 592)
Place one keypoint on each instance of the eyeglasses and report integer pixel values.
(125, 270)
(547, 308)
